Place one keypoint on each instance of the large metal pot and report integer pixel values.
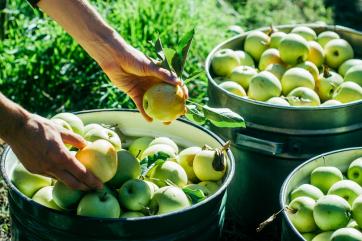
(279, 138)
(203, 221)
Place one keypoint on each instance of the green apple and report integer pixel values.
(348, 92)
(99, 204)
(293, 49)
(66, 197)
(308, 236)
(311, 68)
(276, 38)
(139, 145)
(325, 176)
(346, 234)
(306, 190)
(331, 103)
(154, 149)
(105, 134)
(224, 61)
(135, 195)
(169, 199)
(196, 187)
(256, 42)
(346, 65)
(278, 101)
(354, 171)
(327, 83)
(331, 212)
(296, 77)
(132, 214)
(209, 165)
(186, 160)
(233, 87)
(244, 58)
(337, 51)
(346, 189)
(168, 171)
(264, 86)
(306, 32)
(352, 223)
(324, 236)
(74, 121)
(27, 182)
(62, 123)
(300, 213)
(242, 75)
(211, 186)
(326, 36)
(91, 127)
(276, 69)
(153, 187)
(128, 167)
(316, 53)
(100, 157)
(166, 141)
(303, 96)
(357, 210)
(44, 197)
(354, 74)
(269, 56)
(164, 102)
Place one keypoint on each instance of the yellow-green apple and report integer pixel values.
(196, 187)
(293, 49)
(303, 96)
(44, 197)
(326, 36)
(269, 56)
(325, 176)
(186, 160)
(276, 69)
(224, 61)
(166, 141)
(324, 236)
(152, 150)
(327, 83)
(152, 186)
(164, 102)
(168, 172)
(337, 51)
(244, 58)
(308, 236)
(306, 190)
(135, 195)
(278, 101)
(346, 189)
(306, 32)
(211, 186)
(242, 75)
(264, 86)
(256, 42)
(276, 38)
(300, 213)
(66, 197)
(99, 204)
(132, 214)
(352, 223)
(348, 92)
(346, 234)
(316, 53)
(74, 121)
(331, 212)
(233, 87)
(331, 103)
(100, 157)
(62, 123)
(346, 65)
(296, 77)
(139, 145)
(354, 171)
(311, 68)
(357, 210)
(209, 165)
(128, 167)
(354, 74)
(169, 199)
(27, 182)
(105, 134)
(91, 127)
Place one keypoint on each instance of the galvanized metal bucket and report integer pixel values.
(279, 138)
(203, 221)
(340, 159)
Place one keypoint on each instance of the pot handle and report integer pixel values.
(269, 147)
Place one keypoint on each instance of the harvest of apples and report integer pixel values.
(299, 68)
(152, 176)
(329, 208)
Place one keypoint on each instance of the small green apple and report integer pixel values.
(316, 53)
(62, 123)
(27, 182)
(135, 195)
(264, 86)
(166, 141)
(153, 187)
(233, 87)
(245, 58)
(224, 61)
(256, 42)
(276, 38)
(346, 65)
(139, 145)
(209, 165)
(277, 70)
(331, 212)
(354, 171)
(105, 134)
(74, 121)
(331, 103)
(132, 214)
(278, 101)
(324, 236)
(306, 190)
(44, 197)
(168, 171)
(308, 236)
(242, 75)
(91, 127)
(269, 56)
(354, 74)
(152, 150)
(300, 213)
(348, 92)
(346, 234)
(311, 68)
(347, 189)
(66, 197)
(306, 32)
(186, 160)
(211, 186)
(325, 176)
(337, 51)
(326, 36)
(296, 77)
(293, 49)
(327, 83)
(303, 96)
(357, 210)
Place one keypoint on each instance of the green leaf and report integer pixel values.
(159, 49)
(195, 115)
(182, 51)
(194, 195)
(169, 56)
(150, 161)
(193, 76)
(223, 117)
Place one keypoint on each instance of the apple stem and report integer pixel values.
(271, 30)
(271, 219)
(103, 197)
(326, 72)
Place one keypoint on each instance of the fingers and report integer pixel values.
(139, 103)
(70, 181)
(73, 139)
(164, 75)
